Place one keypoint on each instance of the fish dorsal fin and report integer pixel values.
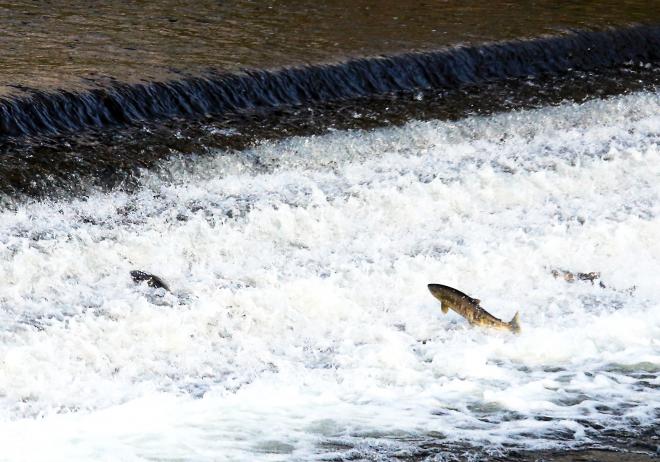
(444, 308)
(476, 301)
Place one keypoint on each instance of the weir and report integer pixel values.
(218, 222)
(38, 112)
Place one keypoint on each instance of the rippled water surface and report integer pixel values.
(79, 43)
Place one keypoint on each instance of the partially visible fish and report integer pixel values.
(592, 277)
(469, 308)
(569, 276)
(151, 280)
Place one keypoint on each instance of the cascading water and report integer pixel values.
(297, 180)
(299, 325)
(55, 112)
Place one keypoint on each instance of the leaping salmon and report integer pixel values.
(469, 308)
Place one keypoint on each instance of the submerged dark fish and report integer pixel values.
(469, 308)
(151, 280)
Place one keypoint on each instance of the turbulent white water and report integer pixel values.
(300, 325)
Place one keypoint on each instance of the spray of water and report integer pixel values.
(299, 324)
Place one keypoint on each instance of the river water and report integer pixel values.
(73, 44)
(298, 242)
(300, 323)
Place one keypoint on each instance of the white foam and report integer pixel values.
(300, 314)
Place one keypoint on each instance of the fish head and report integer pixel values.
(438, 291)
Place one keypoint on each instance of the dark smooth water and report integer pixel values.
(80, 44)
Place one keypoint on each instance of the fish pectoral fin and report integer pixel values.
(444, 308)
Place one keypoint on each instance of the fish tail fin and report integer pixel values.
(514, 324)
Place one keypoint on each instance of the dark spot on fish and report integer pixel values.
(588, 276)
